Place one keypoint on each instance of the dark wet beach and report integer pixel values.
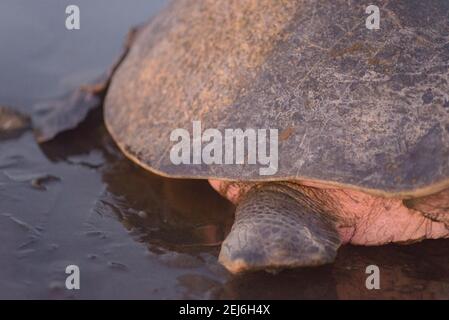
(78, 200)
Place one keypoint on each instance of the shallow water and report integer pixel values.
(78, 200)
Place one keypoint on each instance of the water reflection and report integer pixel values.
(182, 213)
(182, 222)
(178, 214)
(417, 271)
(77, 199)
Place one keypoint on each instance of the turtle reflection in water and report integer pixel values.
(366, 157)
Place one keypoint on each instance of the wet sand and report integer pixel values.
(78, 200)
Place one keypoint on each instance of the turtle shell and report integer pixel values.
(355, 107)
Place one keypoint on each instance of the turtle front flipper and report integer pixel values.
(278, 227)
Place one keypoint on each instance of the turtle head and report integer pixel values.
(279, 227)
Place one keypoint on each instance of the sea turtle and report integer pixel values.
(362, 114)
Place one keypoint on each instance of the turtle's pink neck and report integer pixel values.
(363, 219)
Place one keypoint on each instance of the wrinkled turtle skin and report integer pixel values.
(363, 117)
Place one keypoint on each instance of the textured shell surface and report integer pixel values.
(356, 107)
